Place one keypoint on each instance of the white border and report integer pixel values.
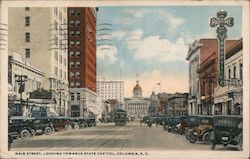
(153, 154)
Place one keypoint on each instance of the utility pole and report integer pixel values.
(21, 79)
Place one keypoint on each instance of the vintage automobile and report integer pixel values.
(183, 124)
(78, 122)
(145, 119)
(62, 123)
(173, 123)
(91, 120)
(192, 121)
(227, 130)
(202, 131)
(42, 125)
(18, 126)
(165, 121)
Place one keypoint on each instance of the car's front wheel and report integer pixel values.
(76, 126)
(206, 138)
(32, 132)
(48, 130)
(212, 146)
(24, 134)
(67, 127)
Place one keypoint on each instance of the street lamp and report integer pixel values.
(21, 79)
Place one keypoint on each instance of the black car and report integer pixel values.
(42, 125)
(10, 141)
(78, 122)
(227, 130)
(192, 121)
(173, 122)
(19, 126)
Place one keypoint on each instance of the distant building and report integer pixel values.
(178, 104)
(153, 105)
(39, 34)
(163, 103)
(82, 61)
(137, 106)
(111, 90)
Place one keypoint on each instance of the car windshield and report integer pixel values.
(206, 121)
(226, 121)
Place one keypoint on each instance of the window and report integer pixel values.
(72, 84)
(56, 40)
(77, 84)
(55, 10)
(27, 21)
(229, 73)
(77, 53)
(60, 73)
(77, 74)
(27, 8)
(71, 43)
(71, 74)
(77, 43)
(65, 75)
(27, 37)
(77, 12)
(72, 96)
(27, 52)
(77, 64)
(72, 33)
(78, 96)
(72, 64)
(60, 16)
(65, 62)
(71, 54)
(72, 12)
(77, 23)
(241, 71)
(72, 23)
(55, 25)
(234, 71)
(78, 33)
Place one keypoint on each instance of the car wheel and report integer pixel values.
(68, 127)
(212, 146)
(32, 132)
(76, 126)
(192, 138)
(24, 134)
(206, 138)
(48, 130)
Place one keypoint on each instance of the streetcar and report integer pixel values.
(120, 117)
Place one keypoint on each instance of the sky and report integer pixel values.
(151, 43)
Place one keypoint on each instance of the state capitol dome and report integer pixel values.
(137, 92)
(137, 86)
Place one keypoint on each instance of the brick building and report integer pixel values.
(82, 60)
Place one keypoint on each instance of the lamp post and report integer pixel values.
(21, 79)
(221, 22)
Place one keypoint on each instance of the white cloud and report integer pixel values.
(119, 34)
(107, 52)
(171, 20)
(135, 12)
(148, 81)
(162, 49)
(124, 20)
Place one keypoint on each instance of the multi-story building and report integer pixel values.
(110, 90)
(163, 103)
(154, 105)
(40, 35)
(229, 99)
(137, 106)
(178, 104)
(31, 77)
(82, 60)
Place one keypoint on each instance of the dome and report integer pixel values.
(137, 86)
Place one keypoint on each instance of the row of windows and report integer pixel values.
(74, 33)
(73, 23)
(75, 12)
(60, 73)
(76, 74)
(72, 96)
(235, 72)
(74, 54)
(74, 43)
(60, 59)
(75, 64)
(75, 84)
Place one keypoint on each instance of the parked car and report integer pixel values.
(78, 122)
(202, 131)
(192, 121)
(42, 125)
(227, 130)
(173, 123)
(62, 123)
(19, 126)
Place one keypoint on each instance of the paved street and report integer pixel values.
(108, 137)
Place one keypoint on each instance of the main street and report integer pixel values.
(133, 136)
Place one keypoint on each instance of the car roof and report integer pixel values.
(21, 118)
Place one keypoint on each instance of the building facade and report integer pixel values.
(110, 90)
(163, 103)
(229, 99)
(18, 95)
(40, 35)
(82, 61)
(153, 105)
(178, 104)
(137, 106)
